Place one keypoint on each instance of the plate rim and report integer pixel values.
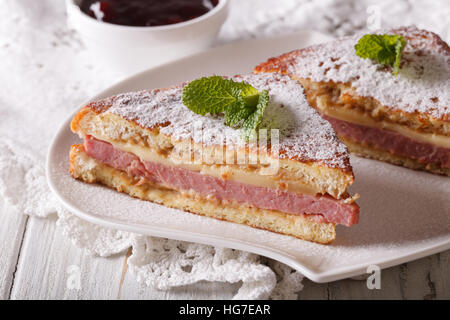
(315, 276)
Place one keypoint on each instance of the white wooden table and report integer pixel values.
(35, 262)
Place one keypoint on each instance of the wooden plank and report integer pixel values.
(49, 266)
(440, 275)
(12, 229)
(131, 289)
(357, 289)
(48, 260)
(313, 291)
(427, 278)
(416, 282)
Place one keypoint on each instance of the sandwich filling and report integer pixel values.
(323, 207)
(391, 141)
(345, 113)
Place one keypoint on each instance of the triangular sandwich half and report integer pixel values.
(403, 119)
(293, 180)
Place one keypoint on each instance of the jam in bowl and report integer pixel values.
(146, 13)
(128, 36)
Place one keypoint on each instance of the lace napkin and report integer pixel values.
(46, 73)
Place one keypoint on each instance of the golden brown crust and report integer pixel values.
(301, 226)
(281, 63)
(75, 123)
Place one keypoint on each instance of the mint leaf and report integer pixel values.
(252, 122)
(383, 48)
(242, 104)
(208, 95)
(249, 93)
(399, 46)
(246, 104)
(236, 113)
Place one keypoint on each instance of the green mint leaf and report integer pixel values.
(253, 120)
(383, 48)
(399, 46)
(248, 93)
(236, 113)
(208, 95)
(242, 104)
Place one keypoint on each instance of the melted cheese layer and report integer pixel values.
(224, 172)
(357, 117)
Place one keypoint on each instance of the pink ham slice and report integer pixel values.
(392, 141)
(324, 208)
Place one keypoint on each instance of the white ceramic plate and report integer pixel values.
(405, 215)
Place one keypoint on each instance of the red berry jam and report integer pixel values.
(146, 13)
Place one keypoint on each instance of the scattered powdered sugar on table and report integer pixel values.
(304, 135)
(422, 85)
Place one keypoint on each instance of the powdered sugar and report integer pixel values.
(304, 135)
(422, 85)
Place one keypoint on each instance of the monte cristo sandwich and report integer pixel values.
(397, 110)
(290, 176)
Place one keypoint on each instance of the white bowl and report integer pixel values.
(131, 49)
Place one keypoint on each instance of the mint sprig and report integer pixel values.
(253, 120)
(242, 104)
(383, 48)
